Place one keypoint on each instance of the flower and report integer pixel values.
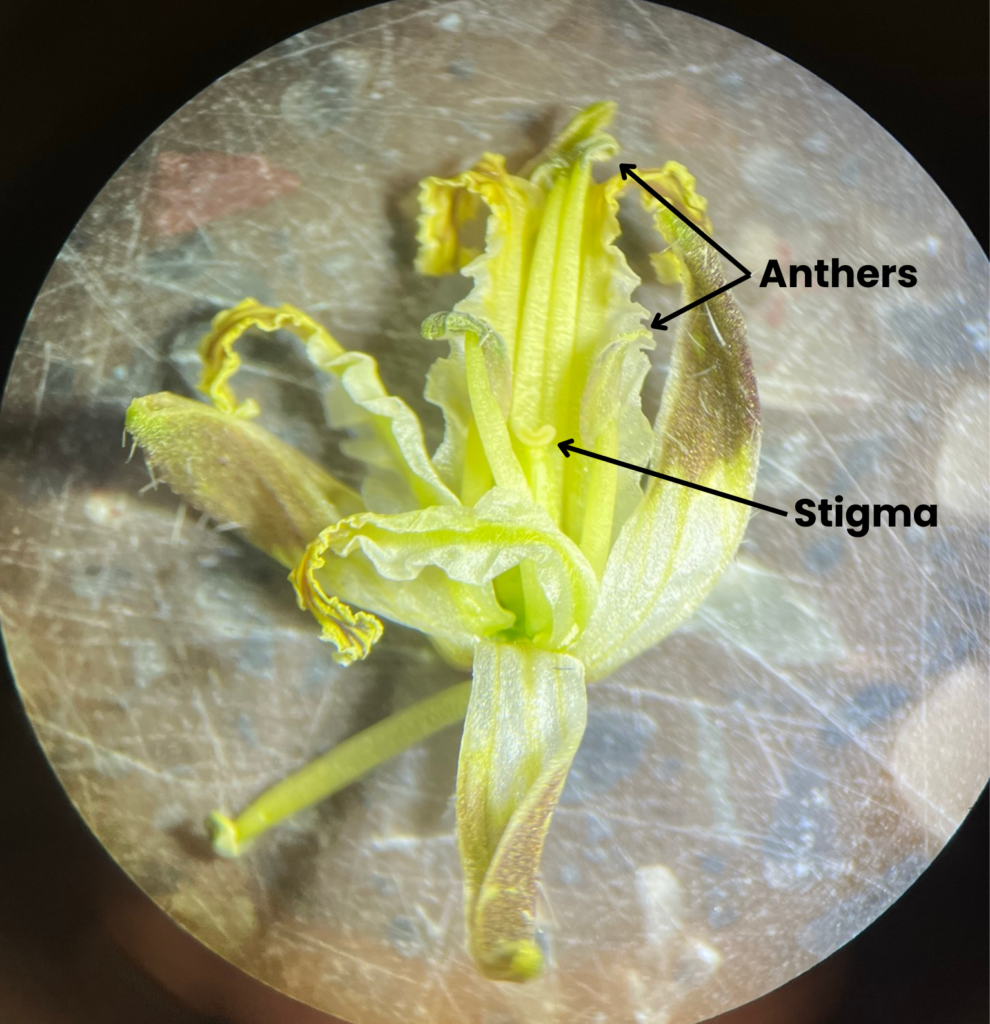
(541, 573)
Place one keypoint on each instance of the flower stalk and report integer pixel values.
(339, 767)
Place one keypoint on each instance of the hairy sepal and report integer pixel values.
(678, 541)
(525, 719)
(238, 473)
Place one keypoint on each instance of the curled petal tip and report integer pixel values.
(352, 633)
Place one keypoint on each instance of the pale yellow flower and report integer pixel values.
(540, 573)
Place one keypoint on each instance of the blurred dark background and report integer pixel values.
(82, 84)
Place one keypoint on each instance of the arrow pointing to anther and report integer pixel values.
(568, 446)
(660, 322)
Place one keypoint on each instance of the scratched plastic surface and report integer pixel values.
(750, 795)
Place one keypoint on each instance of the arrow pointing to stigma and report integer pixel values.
(568, 446)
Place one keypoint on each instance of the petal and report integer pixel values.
(387, 435)
(515, 208)
(434, 569)
(487, 370)
(446, 388)
(237, 472)
(453, 614)
(678, 541)
(525, 719)
(496, 298)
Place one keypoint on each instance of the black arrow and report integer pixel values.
(659, 322)
(567, 447)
